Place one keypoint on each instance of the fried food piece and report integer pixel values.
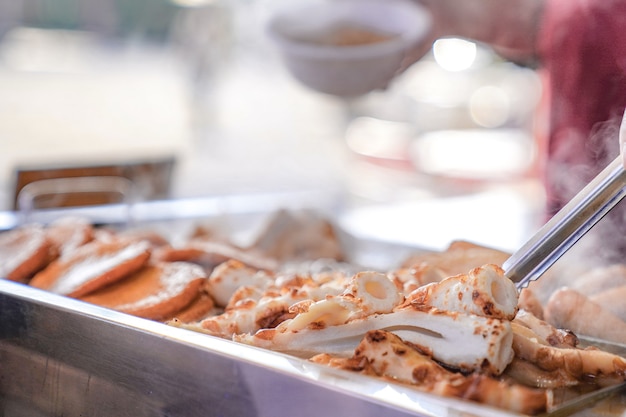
(209, 254)
(384, 354)
(484, 291)
(367, 293)
(613, 300)
(529, 329)
(600, 279)
(92, 266)
(572, 310)
(545, 331)
(23, 252)
(531, 375)
(153, 237)
(372, 301)
(232, 274)
(412, 277)
(69, 233)
(199, 308)
(155, 292)
(459, 257)
(486, 342)
(602, 367)
(268, 302)
(301, 235)
(529, 301)
(246, 317)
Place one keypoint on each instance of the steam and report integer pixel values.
(605, 243)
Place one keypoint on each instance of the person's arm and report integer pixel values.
(509, 26)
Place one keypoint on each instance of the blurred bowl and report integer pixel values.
(347, 47)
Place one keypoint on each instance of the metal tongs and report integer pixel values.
(567, 226)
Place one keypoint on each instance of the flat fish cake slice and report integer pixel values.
(569, 309)
(92, 266)
(69, 233)
(156, 291)
(23, 252)
(613, 300)
(200, 307)
(209, 254)
(460, 257)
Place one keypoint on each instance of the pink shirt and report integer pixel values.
(582, 46)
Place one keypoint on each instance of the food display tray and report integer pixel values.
(64, 357)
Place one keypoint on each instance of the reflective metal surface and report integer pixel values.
(147, 212)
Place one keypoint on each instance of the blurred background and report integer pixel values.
(189, 98)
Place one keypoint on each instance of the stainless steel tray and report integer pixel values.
(64, 357)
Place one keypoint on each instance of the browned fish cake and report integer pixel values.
(156, 291)
(199, 308)
(570, 309)
(69, 233)
(156, 239)
(302, 235)
(92, 266)
(209, 254)
(460, 257)
(23, 252)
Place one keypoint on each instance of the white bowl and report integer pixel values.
(302, 35)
